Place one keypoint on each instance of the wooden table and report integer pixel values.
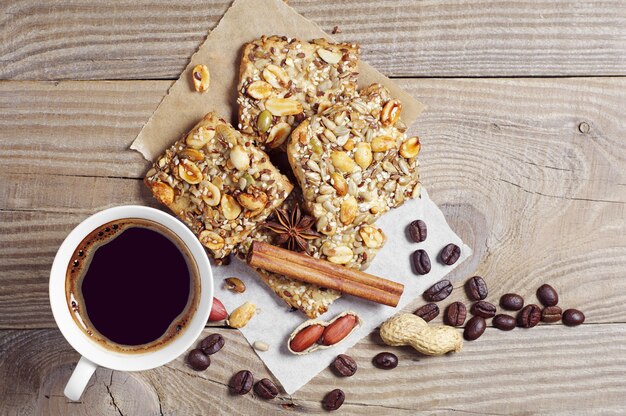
(524, 149)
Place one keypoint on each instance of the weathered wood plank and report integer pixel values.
(55, 39)
(553, 370)
(487, 144)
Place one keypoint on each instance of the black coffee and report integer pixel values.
(132, 285)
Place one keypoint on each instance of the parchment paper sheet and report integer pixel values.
(246, 20)
(182, 107)
(274, 322)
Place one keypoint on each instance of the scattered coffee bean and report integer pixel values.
(450, 254)
(551, 314)
(265, 389)
(212, 344)
(529, 316)
(474, 328)
(386, 360)
(418, 231)
(344, 365)
(438, 291)
(428, 312)
(241, 382)
(573, 317)
(504, 322)
(547, 295)
(455, 314)
(484, 309)
(421, 262)
(512, 302)
(198, 360)
(334, 399)
(476, 288)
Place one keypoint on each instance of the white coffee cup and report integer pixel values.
(94, 354)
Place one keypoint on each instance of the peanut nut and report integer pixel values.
(348, 210)
(391, 113)
(278, 135)
(254, 199)
(275, 76)
(211, 240)
(339, 254)
(211, 194)
(201, 78)
(242, 315)
(383, 143)
(410, 147)
(409, 329)
(239, 158)
(342, 161)
(372, 237)
(198, 138)
(162, 192)
(259, 90)
(306, 337)
(189, 172)
(191, 154)
(339, 183)
(283, 106)
(235, 284)
(363, 155)
(338, 330)
(230, 207)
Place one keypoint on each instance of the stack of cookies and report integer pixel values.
(349, 159)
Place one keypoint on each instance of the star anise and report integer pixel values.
(293, 229)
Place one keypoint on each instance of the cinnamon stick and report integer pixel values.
(329, 268)
(307, 269)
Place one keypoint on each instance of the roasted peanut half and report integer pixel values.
(348, 210)
(230, 207)
(189, 172)
(340, 255)
(410, 147)
(283, 106)
(391, 113)
(339, 183)
(275, 76)
(342, 161)
(330, 57)
(383, 143)
(372, 237)
(259, 90)
(199, 137)
(211, 194)
(191, 154)
(239, 157)
(211, 240)
(254, 199)
(242, 315)
(162, 192)
(278, 135)
(201, 78)
(363, 155)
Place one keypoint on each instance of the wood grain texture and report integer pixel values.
(61, 39)
(488, 144)
(500, 373)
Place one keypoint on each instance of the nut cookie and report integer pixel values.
(356, 248)
(354, 162)
(217, 182)
(284, 80)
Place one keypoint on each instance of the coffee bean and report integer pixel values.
(198, 360)
(504, 322)
(421, 262)
(265, 389)
(512, 302)
(428, 312)
(418, 231)
(547, 295)
(484, 309)
(438, 291)
(241, 382)
(386, 360)
(474, 328)
(344, 365)
(551, 314)
(455, 314)
(450, 254)
(529, 316)
(212, 344)
(573, 317)
(476, 288)
(334, 399)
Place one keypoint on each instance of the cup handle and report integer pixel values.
(79, 379)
